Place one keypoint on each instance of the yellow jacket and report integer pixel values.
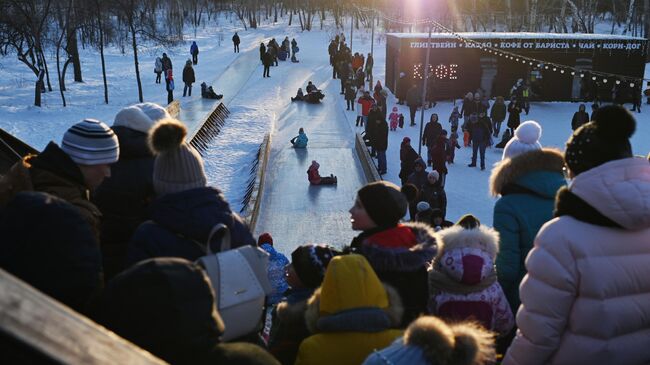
(350, 315)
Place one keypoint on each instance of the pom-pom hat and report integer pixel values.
(178, 166)
(526, 139)
(91, 142)
(604, 139)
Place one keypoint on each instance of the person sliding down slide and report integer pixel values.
(300, 96)
(207, 92)
(314, 176)
(299, 141)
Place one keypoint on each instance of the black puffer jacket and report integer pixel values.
(124, 197)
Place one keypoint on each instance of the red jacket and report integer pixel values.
(313, 175)
(366, 103)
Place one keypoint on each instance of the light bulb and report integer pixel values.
(573, 73)
(631, 84)
(554, 69)
(618, 82)
(582, 75)
(605, 80)
(593, 78)
(561, 71)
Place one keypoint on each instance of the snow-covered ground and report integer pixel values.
(257, 108)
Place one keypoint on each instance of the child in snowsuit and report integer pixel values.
(394, 119)
(299, 95)
(314, 176)
(453, 145)
(277, 263)
(462, 278)
(299, 141)
(453, 120)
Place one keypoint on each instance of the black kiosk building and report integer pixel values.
(458, 67)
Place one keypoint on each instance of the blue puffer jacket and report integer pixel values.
(180, 224)
(301, 140)
(527, 185)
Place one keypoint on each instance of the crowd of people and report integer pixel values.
(272, 51)
(113, 222)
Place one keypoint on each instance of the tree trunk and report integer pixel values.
(100, 25)
(630, 13)
(73, 51)
(47, 72)
(135, 61)
(58, 69)
(39, 89)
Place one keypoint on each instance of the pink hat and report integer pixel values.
(395, 109)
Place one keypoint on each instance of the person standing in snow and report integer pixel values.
(294, 50)
(194, 51)
(413, 100)
(498, 114)
(188, 78)
(169, 83)
(350, 95)
(267, 60)
(430, 135)
(588, 309)
(368, 69)
(407, 157)
(514, 112)
(580, 117)
(166, 63)
(262, 52)
(380, 143)
(479, 131)
(158, 69)
(235, 42)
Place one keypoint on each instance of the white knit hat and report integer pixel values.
(140, 117)
(422, 206)
(91, 142)
(526, 139)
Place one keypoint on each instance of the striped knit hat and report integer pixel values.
(91, 142)
(178, 166)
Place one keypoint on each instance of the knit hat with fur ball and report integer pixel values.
(526, 139)
(384, 203)
(178, 166)
(604, 139)
(310, 263)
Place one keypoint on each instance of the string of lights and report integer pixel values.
(604, 77)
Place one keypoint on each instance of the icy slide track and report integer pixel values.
(291, 210)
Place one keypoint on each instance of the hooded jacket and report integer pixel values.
(52, 172)
(350, 315)
(419, 179)
(181, 223)
(407, 157)
(400, 256)
(462, 281)
(585, 297)
(301, 140)
(527, 185)
(312, 173)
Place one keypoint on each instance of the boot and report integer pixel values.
(473, 164)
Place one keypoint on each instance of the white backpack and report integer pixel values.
(240, 281)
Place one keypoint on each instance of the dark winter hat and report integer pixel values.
(406, 140)
(468, 221)
(91, 142)
(47, 243)
(265, 238)
(310, 262)
(604, 139)
(384, 203)
(178, 166)
(164, 305)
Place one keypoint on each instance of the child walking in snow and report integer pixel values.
(314, 176)
(453, 144)
(394, 119)
(462, 278)
(453, 120)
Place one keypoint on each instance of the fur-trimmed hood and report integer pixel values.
(311, 311)
(483, 238)
(539, 171)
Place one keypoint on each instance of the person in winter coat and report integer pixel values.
(589, 308)
(276, 269)
(235, 42)
(370, 61)
(394, 119)
(267, 61)
(194, 51)
(525, 181)
(366, 103)
(469, 106)
(453, 119)
(413, 100)
(439, 154)
(430, 135)
(168, 307)
(438, 221)
(429, 340)
(350, 96)
(332, 50)
(124, 197)
(498, 115)
(186, 209)
(262, 52)
(399, 253)
(169, 84)
(294, 50)
(314, 176)
(300, 96)
(188, 78)
(157, 69)
(580, 117)
(646, 92)
(407, 157)
(380, 143)
(166, 63)
(300, 141)
(371, 127)
(480, 132)
(47, 243)
(419, 175)
(70, 172)
(462, 279)
(350, 315)
(453, 145)
(401, 90)
(514, 112)
(304, 275)
(433, 193)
